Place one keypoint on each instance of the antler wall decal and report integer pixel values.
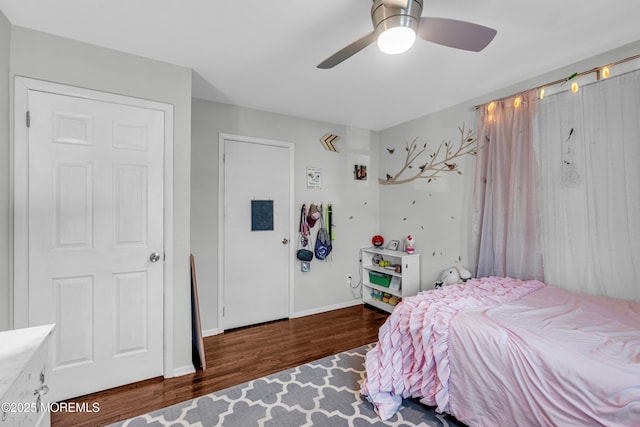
(439, 161)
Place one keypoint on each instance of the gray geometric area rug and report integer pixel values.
(325, 392)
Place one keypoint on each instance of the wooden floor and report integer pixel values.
(233, 358)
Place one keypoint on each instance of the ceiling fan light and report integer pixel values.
(396, 40)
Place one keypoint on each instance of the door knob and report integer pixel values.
(154, 257)
(285, 241)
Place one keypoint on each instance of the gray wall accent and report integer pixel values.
(355, 203)
(47, 57)
(5, 255)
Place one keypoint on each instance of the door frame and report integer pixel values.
(19, 206)
(221, 222)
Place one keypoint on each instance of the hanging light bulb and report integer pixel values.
(574, 87)
(491, 117)
(516, 102)
(605, 72)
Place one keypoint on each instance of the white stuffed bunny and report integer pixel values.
(453, 275)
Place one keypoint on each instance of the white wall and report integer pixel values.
(5, 295)
(438, 213)
(46, 57)
(355, 203)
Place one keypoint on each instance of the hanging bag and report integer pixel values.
(323, 240)
(304, 254)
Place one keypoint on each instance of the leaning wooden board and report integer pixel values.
(196, 328)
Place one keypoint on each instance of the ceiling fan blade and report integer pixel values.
(348, 51)
(456, 34)
(396, 3)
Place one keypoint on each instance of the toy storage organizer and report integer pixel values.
(388, 276)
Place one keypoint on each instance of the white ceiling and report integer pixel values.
(263, 54)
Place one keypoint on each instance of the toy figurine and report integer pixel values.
(409, 242)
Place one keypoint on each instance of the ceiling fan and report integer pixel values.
(396, 22)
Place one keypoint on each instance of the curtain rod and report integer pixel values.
(566, 79)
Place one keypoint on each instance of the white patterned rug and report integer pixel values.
(325, 392)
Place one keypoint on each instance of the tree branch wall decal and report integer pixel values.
(438, 162)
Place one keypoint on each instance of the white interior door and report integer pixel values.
(257, 263)
(95, 215)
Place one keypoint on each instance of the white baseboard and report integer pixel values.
(216, 331)
(211, 332)
(326, 308)
(183, 370)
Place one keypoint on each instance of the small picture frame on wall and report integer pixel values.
(393, 245)
(314, 178)
(360, 172)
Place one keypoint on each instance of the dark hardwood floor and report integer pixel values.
(235, 357)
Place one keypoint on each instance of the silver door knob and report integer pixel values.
(154, 257)
(285, 241)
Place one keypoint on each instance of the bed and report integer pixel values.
(504, 352)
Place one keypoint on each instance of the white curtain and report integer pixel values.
(506, 236)
(588, 151)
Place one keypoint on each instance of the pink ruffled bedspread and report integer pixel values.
(411, 358)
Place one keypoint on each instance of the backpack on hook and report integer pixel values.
(323, 240)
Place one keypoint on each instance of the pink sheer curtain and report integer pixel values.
(506, 218)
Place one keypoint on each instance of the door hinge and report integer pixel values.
(28, 119)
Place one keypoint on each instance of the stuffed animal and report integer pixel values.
(453, 275)
(464, 274)
(409, 242)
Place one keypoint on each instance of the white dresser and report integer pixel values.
(24, 355)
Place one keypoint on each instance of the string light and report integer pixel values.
(516, 102)
(490, 107)
(574, 87)
(601, 72)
